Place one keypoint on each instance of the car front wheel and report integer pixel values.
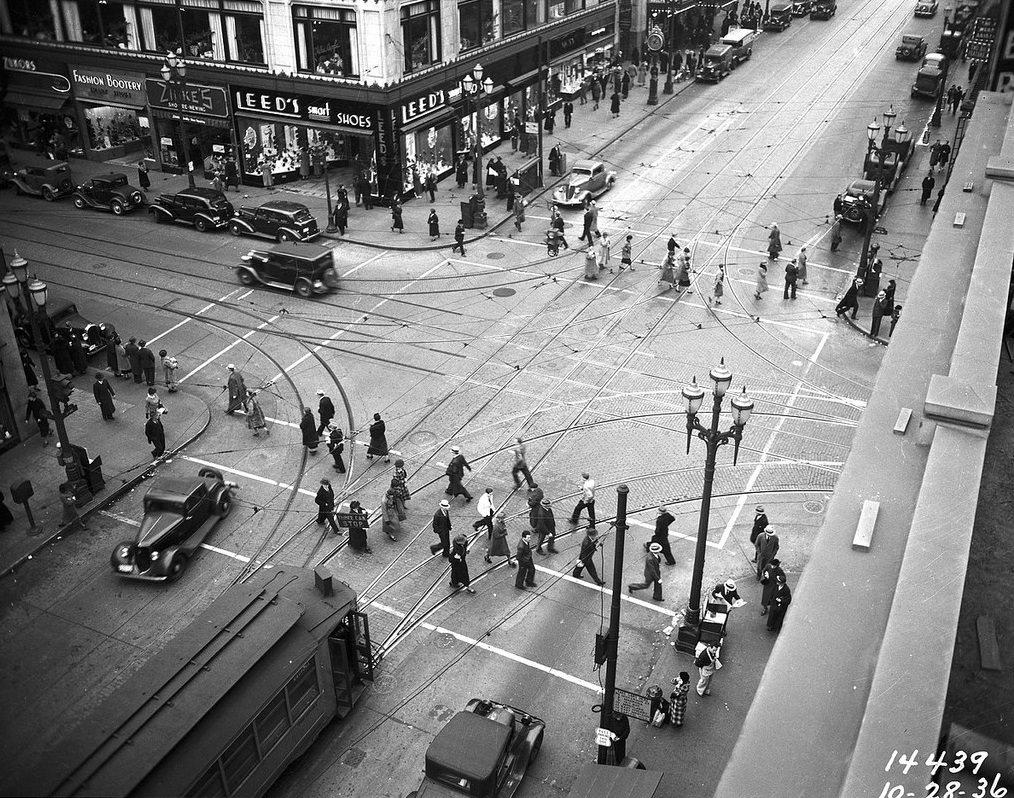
(79, 203)
(201, 225)
(223, 504)
(48, 194)
(246, 278)
(284, 236)
(116, 207)
(235, 229)
(304, 289)
(177, 566)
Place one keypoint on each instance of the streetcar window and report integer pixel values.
(272, 723)
(240, 760)
(210, 784)
(302, 688)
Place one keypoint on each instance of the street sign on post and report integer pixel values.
(633, 705)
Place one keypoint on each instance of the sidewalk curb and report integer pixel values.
(99, 504)
(852, 323)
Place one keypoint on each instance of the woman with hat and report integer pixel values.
(399, 484)
(357, 530)
(255, 419)
(769, 578)
(378, 439)
(459, 568)
(498, 546)
(678, 699)
(392, 523)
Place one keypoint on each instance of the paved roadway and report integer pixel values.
(475, 351)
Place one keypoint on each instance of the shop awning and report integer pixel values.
(26, 99)
(523, 81)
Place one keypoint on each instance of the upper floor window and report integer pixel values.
(327, 40)
(420, 34)
(557, 9)
(476, 23)
(519, 15)
(31, 19)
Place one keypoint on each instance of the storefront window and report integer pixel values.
(420, 34)
(108, 127)
(426, 151)
(519, 15)
(31, 19)
(279, 147)
(326, 40)
(476, 23)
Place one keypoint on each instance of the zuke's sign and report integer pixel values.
(326, 110)
(187, 98)
(108, 86)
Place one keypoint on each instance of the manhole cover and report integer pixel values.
(445, 641)
(494, 255)
(384, 684)
(422, 438)
(744, 272)
(353, 757)
(813, 507)
(504, 292)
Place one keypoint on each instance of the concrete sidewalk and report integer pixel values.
(126, 459)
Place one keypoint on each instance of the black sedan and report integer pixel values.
(110, 192)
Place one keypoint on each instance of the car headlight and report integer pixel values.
(123, 552)
(154, 556)
(318, 284)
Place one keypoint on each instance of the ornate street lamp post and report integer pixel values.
(901, 135)
(474, 86)
(174, 71)
(713, 437)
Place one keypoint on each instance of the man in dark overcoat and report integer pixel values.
(104, 394)
(442, 529)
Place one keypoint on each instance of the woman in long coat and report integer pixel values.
(459, 568)
(400, 488)
(678, 699)
(396, 221)
(392, 524)
(497, 536)
(378, 440)
(104, 393)
(769, 578)
(434, 224)
(762, 280)
(112, 363)
(255, 418)
(668, 276)
(122, 360)
(774, 242)
(308, 426)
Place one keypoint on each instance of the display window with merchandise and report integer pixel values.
(292, 152)
(428, 151)
(108, 127)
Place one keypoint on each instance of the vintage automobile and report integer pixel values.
(278, 219)
(929, 80)
(871, 168)
(716, 64)
(926, 8)
(912, 48)
(800, 8)
(204, 208)
(823, 9)
(307, 269)
(588, 179)
(61, 314)
(109, 192)
(483, 751)
(50, 182)
(857, 201)
(779, 16)
(741, 41)
(178, 515)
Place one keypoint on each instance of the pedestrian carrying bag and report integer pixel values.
(658, 719)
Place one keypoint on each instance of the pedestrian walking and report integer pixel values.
(626, 256)
(325, 411)
(340, 217)
(169, 367)
(308, 428)
(455, 473)
(459, 237)
(586, 558)
(122, 361)
(668, 276)
(605, 252)
(497, 540)
(881, 307)
(237, 390)
(761, 286)
(718, 289)
(399, 484)
(459, 566)
(325, 505)
(358, 526)
(614, 104)
(335, 447)
(152, 403)
(534, 498)
(526, 563)
(895, 318)
(231, 174)
(586, 501)
(154, 433)
(77, 353)
(378, 440)
(780, 602)
(851, 299)
(556, 223)
(683, 269)
(652, 573)
(945, 154)
(596, 93)
(767, 549)
(147, 360)
(660, 537)
(586, 228)
(35, 409)
(927, 188)
(801, 259)
(770, 582)
(143, 179)
(255, 420)
(836, 233)
(568, 113)
(433, 223)
(791, 276)
(545, 525)
(132, 350)
(104, 394)
(520, 464)
(593, 207)
(68, 500)
(430, 186)
(396, 221)
(460, 172)
(390, 517)
(549, 122)
(642, 73)
(519, 210)
(624, 88)
(484, 507)
(760, 523)
(774, 242)
(61, 354)
(442, 529)
(29, 368)
(678, 699)
(708, 663)
(934, 154)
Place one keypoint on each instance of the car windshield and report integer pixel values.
(119, 180)
(912, 41)
(219, 203)
(581, 172)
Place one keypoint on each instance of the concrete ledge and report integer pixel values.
(950, 399)
(1000, 167)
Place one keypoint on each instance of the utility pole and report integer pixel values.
(612, 637)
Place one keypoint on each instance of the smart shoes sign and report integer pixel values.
(304, 108)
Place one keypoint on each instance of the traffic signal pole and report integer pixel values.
(613, 635)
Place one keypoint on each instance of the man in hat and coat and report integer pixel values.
(586, 559)
(535, 497)
(652, 573)
(335, 447)
(780, 601)
(132, 350)
(851, 299)
(325, 504)
(308, 427)
(442, 529)
(236, 388)
(526, 565)
(147, 360)
(498, 546)
(325, 411)
(545, 525)
(661, 535)
(760, 521)
(726, 593)
(459, 567)
(104, 394)
(378, 440)
(767, 549)
(154, 432)
(455, 473)
(770, 582)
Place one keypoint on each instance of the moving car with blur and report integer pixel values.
(50, 181)
(278, 219)
(587, 180)
(307, 269)
(111, 192)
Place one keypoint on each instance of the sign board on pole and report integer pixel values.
(632, 705)
(603, 737)
(532, 127)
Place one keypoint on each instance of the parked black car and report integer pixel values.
(278, 219)
(204, 208)
(61, 314)
(109, 192)
(51, 181)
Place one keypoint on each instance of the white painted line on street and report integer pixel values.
(201, 312)
(215, 357)
(493, 650)
(121, 518)
(232, 554)
(247, 475)
(630, 599)
(366, 262)
(764, 255)
(691, 538)
(512, 240)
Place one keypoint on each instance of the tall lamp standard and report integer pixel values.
(16, 283)
(901, 135)
(320, 151)
(667, 87)
(474, 86)
(174, 71)
(742, 406)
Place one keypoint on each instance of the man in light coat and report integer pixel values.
(484, 507)
(587, 500)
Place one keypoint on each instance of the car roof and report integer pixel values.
(200, 191)
(862, 185)
(469, 745)
(111, 176)
(296, 249)
(718, 49)
(284, 205)
(586, 164)
(173, 489)
(912, 37)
